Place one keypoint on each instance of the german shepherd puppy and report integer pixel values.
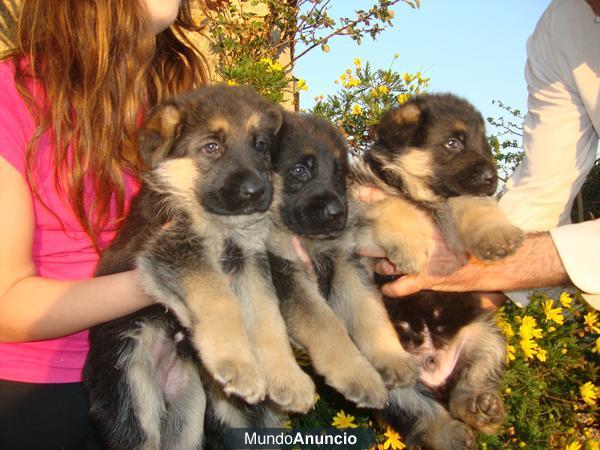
(432, 152)
(338, 316)
(196, 234)
(335, 313)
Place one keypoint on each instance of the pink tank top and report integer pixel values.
(59, 253)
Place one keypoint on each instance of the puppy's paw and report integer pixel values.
(292, 389)
(494, 241)
(409, 256)
(448, 435)
(360, 383)
(399, 369)
(483, 411)
(401, 231)
(241, 378)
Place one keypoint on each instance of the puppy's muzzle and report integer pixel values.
(244, 191)
(325, 214)
(253, 189)
(481, 178)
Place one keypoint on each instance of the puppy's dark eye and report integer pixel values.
(300, 172)
(211, 148)
(261, 144)
(453, 144)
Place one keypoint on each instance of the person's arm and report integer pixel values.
(535, 264)
(34, 308)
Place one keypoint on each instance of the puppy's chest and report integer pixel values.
(237, 243)
(435, 331)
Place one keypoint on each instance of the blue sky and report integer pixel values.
(474, 48)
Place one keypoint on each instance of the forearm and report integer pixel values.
(535, 264)
(37, 308)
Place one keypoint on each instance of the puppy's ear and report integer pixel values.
(159, 133)
(398, 125)
(274, 116)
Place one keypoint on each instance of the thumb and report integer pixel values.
(401, 287)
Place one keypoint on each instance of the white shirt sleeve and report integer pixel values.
(560, 136)
(579, 246)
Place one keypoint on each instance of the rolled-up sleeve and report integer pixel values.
(578, 246)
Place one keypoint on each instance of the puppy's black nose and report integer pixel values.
(252, 189)
(334, 210)
(488, 176)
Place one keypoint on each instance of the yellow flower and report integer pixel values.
(554, 314)
(341, 420)
(356, 110)
(528, 329)
(529, 347)
(510, 353)
(393, 440)
(407, 78)
(504, 326)
(348, 71)
(301, 85)
(272, 66)
(383, 89)
(374, 93)
(542, 355)
(591, 319)
(301, 356)
(592, 444)
(566, 299)
(402, 98)
(588, 392)
(231, 83)
(287, 424)
(573, 446)
(597, 346)
(357, 62)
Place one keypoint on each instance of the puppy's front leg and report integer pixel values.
(287, 384)
(482, 228)
(359, 305)
(178, 270)
(396, 225)
(314, 326)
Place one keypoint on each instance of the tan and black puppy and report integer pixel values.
(333, 312)
(336, 315)
(196, 233)
(432, 153)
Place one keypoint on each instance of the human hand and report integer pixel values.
(440, 264)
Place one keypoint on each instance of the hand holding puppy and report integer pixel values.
(441, 270)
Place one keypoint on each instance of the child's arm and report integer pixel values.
(34, 308)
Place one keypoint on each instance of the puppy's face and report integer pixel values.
(434, 146)
(213, 146)
(311, 165)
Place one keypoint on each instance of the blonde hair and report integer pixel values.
(101, 67)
